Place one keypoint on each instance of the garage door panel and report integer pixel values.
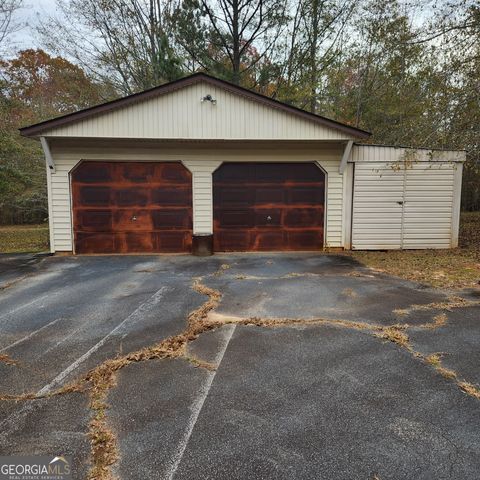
(171, 196)
(92, 220)
(136, 173)
(232, 240)
(303, 217)
(269, 173)
(133, 242)
(237, 218)
(86, 242)
(269, 240)
(269, 195)
(94, 173)
(131, 207)
(96, 196)
(129, 197)
(304, 240)
(173, 241)
(306, 195)
(234, 197)
(279, 206)
(167, 219)
(269, 217)
(132, 220)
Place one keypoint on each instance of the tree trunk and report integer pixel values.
(236, 43)
(313, 57)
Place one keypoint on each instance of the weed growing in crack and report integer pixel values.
(7, 360)
(103, 448)
(438, 321)
(449, 305)
(76, 386)
(223, 268)
(471, 389)
(446, 372)
(198, 363)
(434, 359)
(349, 292)
(395, 334)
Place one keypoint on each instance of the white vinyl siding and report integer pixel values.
(201, 159)
(181, 115)
(202, 189)
(409, 201)
(61, 219)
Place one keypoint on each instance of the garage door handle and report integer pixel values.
(400, 203)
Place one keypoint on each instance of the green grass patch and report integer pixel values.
(24, 238)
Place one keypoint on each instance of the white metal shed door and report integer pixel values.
(377, 206)
(397, 207)
(428, 207)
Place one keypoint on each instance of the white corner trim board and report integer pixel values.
(345, 156)
(48, 154)
(457, 192)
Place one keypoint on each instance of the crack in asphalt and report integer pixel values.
(98, 382)
(199, 363)
(451, 303)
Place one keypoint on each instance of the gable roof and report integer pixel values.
(39, 128)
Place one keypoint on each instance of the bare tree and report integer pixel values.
(229, 37)
(8, 23)
(315, 38)
(125, 43)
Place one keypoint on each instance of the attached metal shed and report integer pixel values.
(405, 198)
(201, 161)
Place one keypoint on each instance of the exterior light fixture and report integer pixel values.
(209, 98)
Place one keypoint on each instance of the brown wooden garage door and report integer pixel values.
(268, 206)
(131, 207)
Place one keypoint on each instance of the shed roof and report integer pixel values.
(104, 108)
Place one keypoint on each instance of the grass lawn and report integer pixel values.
(24, 238)
(458, 268)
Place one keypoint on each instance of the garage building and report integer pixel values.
(203, 162)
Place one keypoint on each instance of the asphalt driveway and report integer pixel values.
(293, 371)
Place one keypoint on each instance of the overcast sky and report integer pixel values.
(31, 14)
(34, 10)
